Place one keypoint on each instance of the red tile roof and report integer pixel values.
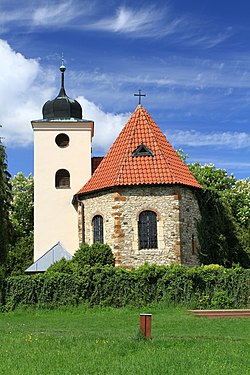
(119, 167)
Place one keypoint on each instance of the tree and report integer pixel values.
(224, 227)
(20, 250)
(212, 178)
(20, 256)
(239, 200)
(22, 211)
(5, 204)
(239, 197)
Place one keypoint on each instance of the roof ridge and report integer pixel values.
(119, 174)
(155, 137)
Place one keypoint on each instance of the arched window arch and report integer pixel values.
(97, 223)
(147, 230)
(62, 180)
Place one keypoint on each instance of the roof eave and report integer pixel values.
(77, 197)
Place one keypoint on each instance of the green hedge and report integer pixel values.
(202, 287)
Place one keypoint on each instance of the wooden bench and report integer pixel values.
(237, 313)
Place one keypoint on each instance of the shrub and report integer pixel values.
(62, 265)
(198, 287)
(94, 255)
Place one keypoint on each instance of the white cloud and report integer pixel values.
(145, 22)
(21, 95)
(54, 14)
(203, 35)
(233, 140)
(25, 87)
(107, 125)
(126, 20)
(154, 21)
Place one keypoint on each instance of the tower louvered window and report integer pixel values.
(62, 179)
(147, 228)
(97, 223)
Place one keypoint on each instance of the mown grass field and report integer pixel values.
(105, 341)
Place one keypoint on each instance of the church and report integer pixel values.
(139, 198)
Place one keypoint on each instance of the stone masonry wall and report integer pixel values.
(177, 214)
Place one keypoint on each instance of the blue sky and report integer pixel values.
(190, 58)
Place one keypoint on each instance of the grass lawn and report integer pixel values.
(105, 341)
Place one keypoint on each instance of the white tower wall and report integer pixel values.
(55, 216)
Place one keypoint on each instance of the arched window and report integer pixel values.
(62, 179)
(97, 223)
(147, 229)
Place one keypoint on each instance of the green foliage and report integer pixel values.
(62, 265)
(19, 253)
(22, 212)
(212, 178)
(224, 203)
(93, 255)
(198, 287)
(1, 286)
(20, 256)
(239, 198)
(218, 238)
(5, 204)
(184, 157)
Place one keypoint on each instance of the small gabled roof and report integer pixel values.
(141, 155)
(57, 252)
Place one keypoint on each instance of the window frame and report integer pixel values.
(62, 179)
(147, 230)
(97, 229)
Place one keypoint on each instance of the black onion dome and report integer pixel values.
(62, 107)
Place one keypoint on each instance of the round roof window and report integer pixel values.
(62, 140)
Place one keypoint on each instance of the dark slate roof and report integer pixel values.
(62, 107)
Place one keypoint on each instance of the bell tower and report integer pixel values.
(62, 162)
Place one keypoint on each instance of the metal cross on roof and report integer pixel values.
(140, 95)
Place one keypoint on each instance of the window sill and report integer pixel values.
(153, 249)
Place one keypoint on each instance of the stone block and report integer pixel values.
(120, 199)
(118, 235)
(177, 197)
(116, 214)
